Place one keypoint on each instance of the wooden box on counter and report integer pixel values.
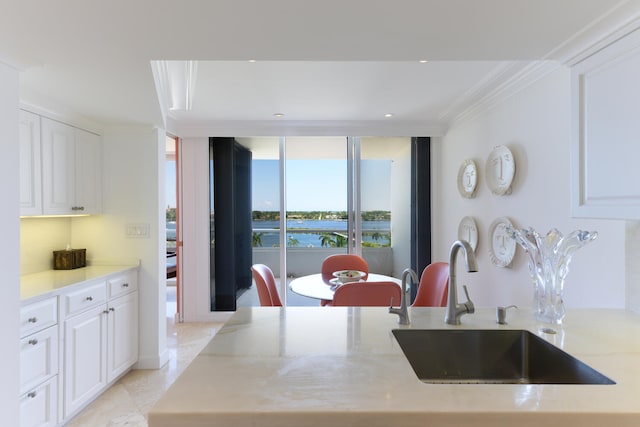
(69, 259)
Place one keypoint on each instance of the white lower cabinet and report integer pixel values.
(38, 358)
(122, 335)
(85, 354)
(39, 349)
(38, 407)
(66, 364)
(101, 344)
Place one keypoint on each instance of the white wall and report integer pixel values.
(535, 124)
(134, 193)
(9, 214)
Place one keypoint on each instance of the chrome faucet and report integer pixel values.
(402, 312)
(455, 310)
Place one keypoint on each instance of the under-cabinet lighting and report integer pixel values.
(54, 216)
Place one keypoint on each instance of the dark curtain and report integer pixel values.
(420, 206)
(230, 258)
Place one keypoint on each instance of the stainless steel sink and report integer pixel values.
(496, 356)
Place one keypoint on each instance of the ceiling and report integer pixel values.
(317, 62)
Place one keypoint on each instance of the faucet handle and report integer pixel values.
(469, 304)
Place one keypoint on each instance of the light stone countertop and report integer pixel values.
(38, 286)
(339, 366)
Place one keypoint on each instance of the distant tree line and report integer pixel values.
(325, 215)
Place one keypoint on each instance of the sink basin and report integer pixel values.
(496, 356)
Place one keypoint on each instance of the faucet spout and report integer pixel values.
(455, 310)
(402, 311)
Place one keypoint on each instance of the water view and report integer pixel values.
(310, 233)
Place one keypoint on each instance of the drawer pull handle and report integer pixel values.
(112, 309)
(32, 394)
(106, 311)
(32, 319)
(33, 341)
(77, 208)
(89, 298)
(125, 285)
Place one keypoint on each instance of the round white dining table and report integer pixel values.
(313, 286)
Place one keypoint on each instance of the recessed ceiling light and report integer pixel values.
(278, 115)
(423, 61)
(252, 61)
(388, 115)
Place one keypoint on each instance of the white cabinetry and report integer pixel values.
(88, 177)
(39, 364)
(71, 172)
(101, 338)
(85, 358)
(605, 129)
(74, 344)
(122, 337)
(30, 164)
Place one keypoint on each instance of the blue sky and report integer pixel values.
(319, 185)
(312, 185)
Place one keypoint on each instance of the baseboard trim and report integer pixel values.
(155, 362)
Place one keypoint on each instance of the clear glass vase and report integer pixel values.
(549, 258)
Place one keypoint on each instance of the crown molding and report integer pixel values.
(16, 65)
(241, 128)
(57, 112)
(617, 23)
(507, 79)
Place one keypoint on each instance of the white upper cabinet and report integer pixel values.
(30, 166)
(88, 177)
(71, 173)
(605, 132)
(58, 171)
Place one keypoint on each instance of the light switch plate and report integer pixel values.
(136, 231)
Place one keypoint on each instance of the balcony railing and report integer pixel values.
(318, 237)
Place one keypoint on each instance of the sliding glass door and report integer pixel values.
(317, 208)
(316, 196)
(385, 203)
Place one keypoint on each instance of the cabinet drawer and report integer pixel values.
(87, 297)
(121, 285)
(39, 406)
(38, 316)
(38, 358)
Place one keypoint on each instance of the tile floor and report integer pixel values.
(129, 400)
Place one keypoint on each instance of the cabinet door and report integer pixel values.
(58, 167)
(123, 334)
(605, 128)
(30, 167)
(38, 407)
(88, 177)
(85, 358)
(38, 358)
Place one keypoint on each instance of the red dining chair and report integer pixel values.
(266, 285)
(433, 288)
(367, 294)
(343, 262)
